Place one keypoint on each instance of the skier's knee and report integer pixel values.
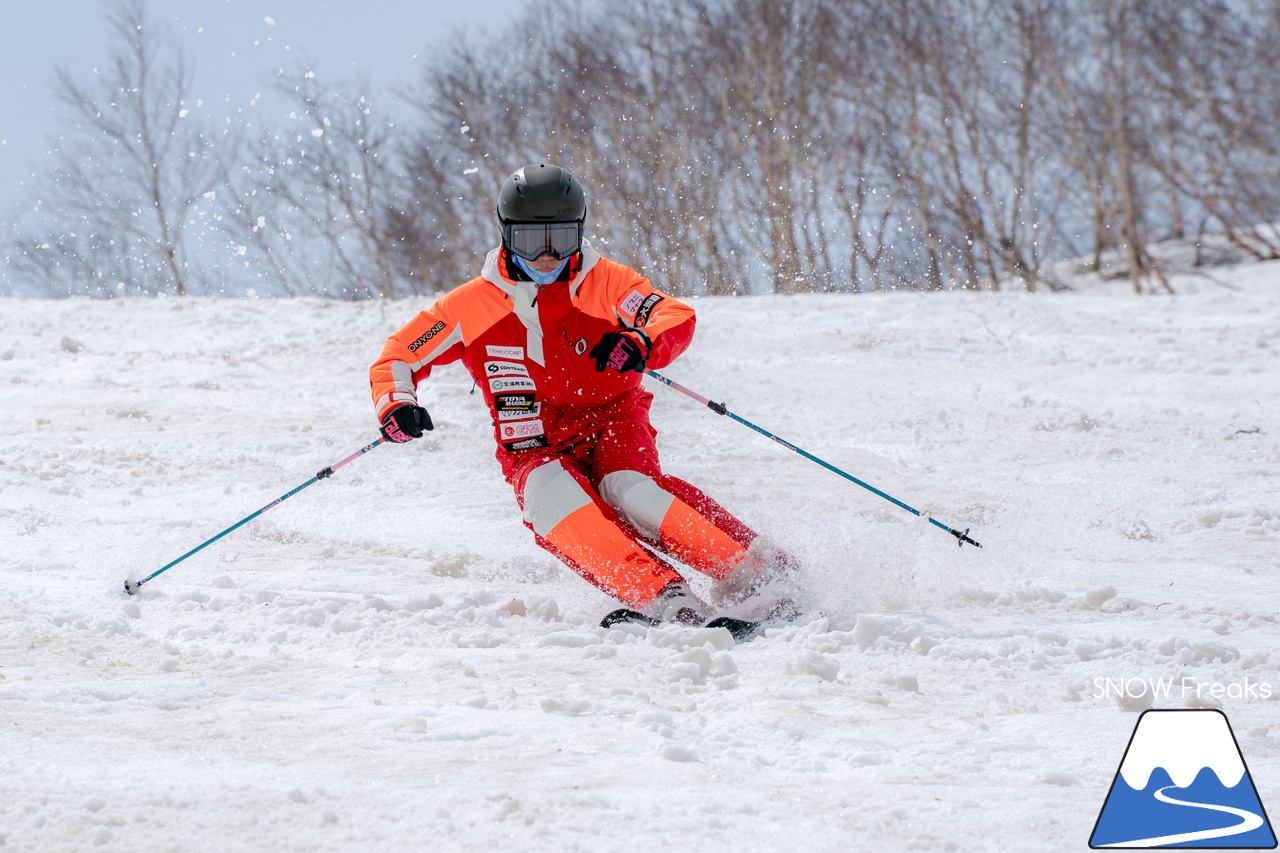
(550, 495)
(637, 499)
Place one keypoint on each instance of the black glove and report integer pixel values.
(622, 351)
(405, 423)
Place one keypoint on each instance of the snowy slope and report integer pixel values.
(387, 662)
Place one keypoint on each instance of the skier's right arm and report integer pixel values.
(428, 339)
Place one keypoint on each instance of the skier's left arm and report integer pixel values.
(671, 332)
(662, 324)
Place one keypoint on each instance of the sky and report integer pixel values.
(233, 46)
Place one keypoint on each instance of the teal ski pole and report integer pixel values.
(132, 587)
(720, 409)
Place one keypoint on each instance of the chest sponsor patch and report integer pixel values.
(520, 429)
(516, 414)
(505, 352)
(505, 368)
(512, 383)
(646, 308)
(512, 407)
(632, 303)
(527, 443)
(514, 402)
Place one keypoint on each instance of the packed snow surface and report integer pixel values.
(386, 661)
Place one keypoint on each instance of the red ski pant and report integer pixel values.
(593, 504)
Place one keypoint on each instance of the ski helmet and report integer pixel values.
(542, 210)
(541, 193)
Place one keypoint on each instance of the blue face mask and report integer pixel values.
(539, 277)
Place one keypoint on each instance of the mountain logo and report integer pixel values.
(1183, 783)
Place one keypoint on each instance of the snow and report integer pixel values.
(387, 661)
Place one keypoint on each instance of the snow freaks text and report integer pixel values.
(1184, 687)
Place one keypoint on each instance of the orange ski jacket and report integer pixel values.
(527, 346)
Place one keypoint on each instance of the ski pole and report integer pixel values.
(720, 409)
(132, 587)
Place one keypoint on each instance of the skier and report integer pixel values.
(557, 337)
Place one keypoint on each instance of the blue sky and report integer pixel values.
(232, 47)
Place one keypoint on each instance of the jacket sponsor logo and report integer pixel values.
(512, 383)
(514, 402)
(428, 335)
(505, 368)
(505, 352)
(632, 303)
(516, 414)
(646, 308)
(512, 407)
(527, 443)
(521, 429)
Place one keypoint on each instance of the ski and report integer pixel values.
(625, 616)
(741, 629)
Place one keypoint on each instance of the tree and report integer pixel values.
(117, 207)
(1208, 66)
(320, 207)
(730, 146)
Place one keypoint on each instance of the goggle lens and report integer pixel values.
(532, 240)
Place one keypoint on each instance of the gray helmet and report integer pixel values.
(541, 193)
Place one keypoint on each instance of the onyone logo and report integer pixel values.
(428, 335)
(1182, 782)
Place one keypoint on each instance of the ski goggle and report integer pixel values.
(532, 240)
